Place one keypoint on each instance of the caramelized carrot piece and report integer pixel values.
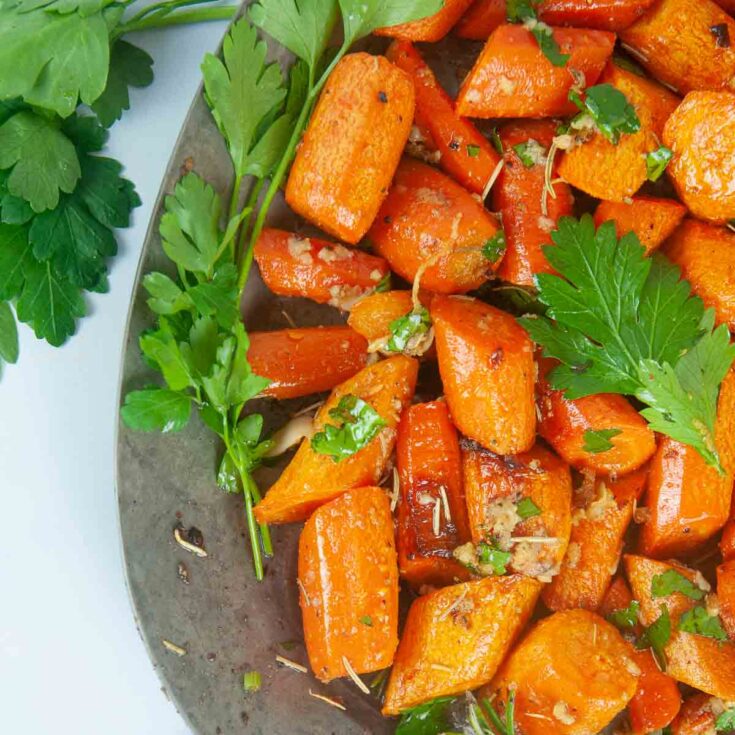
(674, 41)
(571, 675)
(486, 367)
(656, 701)
(697, 716)
(429, 220)
(605, 15)
(616, 171)
(325, 272)
(464, 153)
(518, 195)
(726, 595)
(430, 29)
(701, 133)
(650, 218)
(482, 18)
(706, 255)
(312, 479)
(513, 78)
(455, 638)
(432, 514)
(307, 360)
(352, 146)
(372, 316)
(727, 542)
(348, 581)
(565, 422)
(700, 662)
(495, 485)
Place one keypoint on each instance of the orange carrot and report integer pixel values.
(463, 152)
(456, 637)
(431, 223)
(727, 5)
(726, 595)
(656, 701)
(496, 485)
(519, 195)
(482, 18)
(432, 515)
(605, 15)
(697, 716)
(312, 479)
(430, 29)
(372, 316)
(348, 582)
(674, 41)
(352, 146)
(486, 366)
(513, 78)
(307, 360)
(701, 133)
(727, 542)
(618, 597)
(650, 218)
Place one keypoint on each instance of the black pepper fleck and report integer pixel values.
(722, 35)
(454, 145)
(382, 96)
(387, 219)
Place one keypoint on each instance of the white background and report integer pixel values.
(71, 660)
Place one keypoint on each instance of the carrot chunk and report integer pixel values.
(312, 479)
(432, 514)
(455, 638)
(656, 701)
(571, 675)
(727, 5)
(325, 272)
(651, 219)
(618, 597)
(482, 18)
(675, 42)
(430, 221)
(701, 133)
(430, 29)
(605, 15)
(616, 171)
(463, 152)
(727, 541)
(513, 78)
(518, 195)
(348, 581)
(352, 146)
(372, 316)
(307, 360)
(726, 595)
(697, 716)
(486, 367)
(501, 490)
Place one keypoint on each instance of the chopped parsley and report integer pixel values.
(495, 140)
(700, 622)
(524, 11)
(671, 581)
(473, 151)
(251, 681)
(430, 718)
(484, 559)
(407, 329)
(494, 557)
(726, 721)
(597, 441)
(627, 617)
(367, 620)
(609, 109)
(383, 284)
(526, 508)
(656, 636)
(657, 161)
(531, 153)
(494, 248)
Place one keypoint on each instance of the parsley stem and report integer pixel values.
(161, 20)
(240, 253)
(265, 532)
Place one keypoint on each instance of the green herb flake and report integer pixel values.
(526, 508)
(627, 617)
(700, 622)
(544, 36)
(407, 329)
(383, 284)
(367, 620)
(491, 556)
(495, 140)
(597, 441)
(671, 581)
(726, 721)
(430, 718)
(518, 11)
(656, 636)
(473, 151)
(531, 153)
(252, 681)
(657, 161)
(494, 248)
(609, 109)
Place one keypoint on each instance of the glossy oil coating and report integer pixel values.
(481, 19)
(433, 28)
(605, 15)
(726, 595)
(657, 700)
(696, 717)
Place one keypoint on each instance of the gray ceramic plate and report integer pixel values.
(227, 622)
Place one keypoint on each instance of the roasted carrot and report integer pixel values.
(706, 255)
(430, 222)
(371, 317)
(701, 133)
(482, 18)
(616, 171)
(566, 424)
(348, 581)
(727, 5)
(650, 218)
(486, 367)
(463, 152)
(513, 78)
(571, 675)
(432, 514)
(605, 15)
(656, 701)
(697, 716)
(519, 196)
(306, 360)
(455, 638)
(676, 42)
(328, 273)
(726, 595)
(312, 479)
(352, 146)
(430, 29)
(617, 597)
(727, 541)
(497, 488)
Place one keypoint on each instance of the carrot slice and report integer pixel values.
(325, 272)
(464, 153)
(697, 716)
(430, 29)
(657, 699)
(307, 360)
(338, 181)
(652, 219)
(604, 15)
(312, 479)
(727, 541)
(482, 18)
(726, 595)
(513, 78)
(486, 366)
(432, 515)
(455, 638)
(430, 222)
(348, 582)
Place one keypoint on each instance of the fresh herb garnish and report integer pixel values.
(524, 11)
(495, 140)
(358, 423)
(627, 617)
(531, 153)
(473, 151)
(367, 620)
(499, 727)
(597, 441)
(526, 508)
(494, 248)
(671, 581)
(383, 284)
(622, 323)
(656, 636)
(493, 557)
(252, 681)
(609, 109)
(657, 161)
(430, 718)
(699, 621)
(407, 329)
(725, 721)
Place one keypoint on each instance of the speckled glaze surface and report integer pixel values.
(227, 622)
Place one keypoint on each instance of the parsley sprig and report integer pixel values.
(671, 581)
(524, 11)
(609, 109)
(622, 323)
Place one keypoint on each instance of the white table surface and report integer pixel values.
(71, 660)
